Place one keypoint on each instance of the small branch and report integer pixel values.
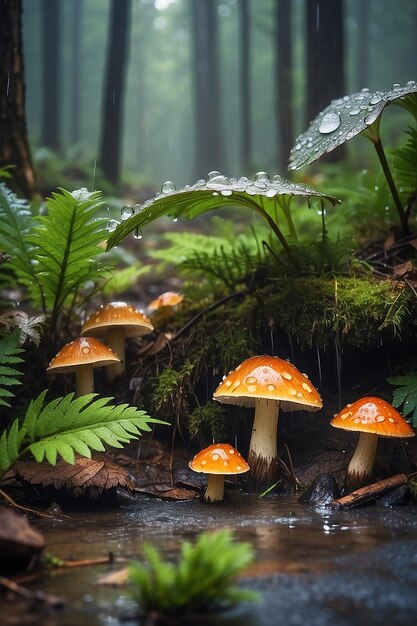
(38, 596)
(27, 509)
(369, 492)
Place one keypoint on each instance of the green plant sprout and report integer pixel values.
(65, 426)
(356, 114)
(201, 582)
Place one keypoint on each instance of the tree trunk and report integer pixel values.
(245, 84)
(209, 153)
(363, 35)
(51, 74)
(14, 145)
(325, 54)
(114, 89)
(75, 70)
(283, 86)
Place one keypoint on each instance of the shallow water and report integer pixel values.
(313, 566)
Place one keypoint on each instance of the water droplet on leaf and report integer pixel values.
(168, 187)
(329, 122)
(112, 225)
(137, 233)
(126, 212)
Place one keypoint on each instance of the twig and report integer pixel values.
(369, 492)
(296, 481)
(27, 509)
(38, 596)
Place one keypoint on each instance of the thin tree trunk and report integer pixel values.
(245, 84)
(114, 89)
(14, 144)
(75, 70)
(209, 152)
(325, 54)
(283, 86)
(51, 74)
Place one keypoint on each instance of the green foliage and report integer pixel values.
(55, 256)
(9, 349)
(66, 426)
(202, 581)
(169, 386)
(208, 423)
(405, 394)
(403, 164)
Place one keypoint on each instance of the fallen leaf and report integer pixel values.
(98, 474)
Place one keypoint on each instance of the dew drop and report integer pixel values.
(126, 212)
(270, 193)
(396, 86)
(168, 187)
(217, 181)
(137, 233)
(354, 111)
(262, 176)
(298, 146)
(200, 183)
(411, 83)
(112, 225)
(212, 174)
(226, 192)
(329, 123)
(375, 99)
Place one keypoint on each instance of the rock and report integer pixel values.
(19, 541)
(395, 497)
(322, 490)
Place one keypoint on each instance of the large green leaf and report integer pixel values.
(262, 195)
(345, 118)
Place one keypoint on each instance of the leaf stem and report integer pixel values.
(391, 184)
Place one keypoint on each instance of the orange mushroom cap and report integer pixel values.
(219, 458)
(373, 415)
(168, 298)
(268, 377)
(120, 314)
(82, 351)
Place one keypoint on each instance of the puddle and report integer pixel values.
(313, 566)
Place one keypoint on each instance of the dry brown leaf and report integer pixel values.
(99, 473)
(174, 493)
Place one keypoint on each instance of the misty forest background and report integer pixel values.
(149, 90)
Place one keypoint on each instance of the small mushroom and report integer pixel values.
(168, 298)
(113, 323)
(267, 382)
(371, 417)
(81, 356)
(216, 461)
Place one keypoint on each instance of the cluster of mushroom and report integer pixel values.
(102, 341)
(268, 383)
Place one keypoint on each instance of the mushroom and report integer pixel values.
(168, 298)
(216, 461)
(116, 321)
(81, 355)
(267, 382)
(371, 417)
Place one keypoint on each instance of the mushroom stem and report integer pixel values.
(116, 341)
(84, 380)
(263, 455)
(360, 467)
(215, 488)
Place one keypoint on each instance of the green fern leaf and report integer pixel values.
(67, 246)
(405, 395)
(9, 349)
(10, 446)
(67, 425)
(15, 225)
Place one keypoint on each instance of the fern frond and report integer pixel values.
(405, 394)
(67, 246)
(67, 425)
(403, 165)
(9, 376)
(15, 225)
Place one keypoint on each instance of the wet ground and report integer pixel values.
(315, 567)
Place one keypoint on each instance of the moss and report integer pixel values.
(208, 423)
